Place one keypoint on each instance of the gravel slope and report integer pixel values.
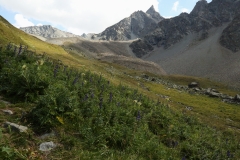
(206, 58)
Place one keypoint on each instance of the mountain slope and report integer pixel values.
(189, 43)
(11, 34)
(46, 31)
(135, 26)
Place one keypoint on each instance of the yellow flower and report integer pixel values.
(60, 120)
(24, 66)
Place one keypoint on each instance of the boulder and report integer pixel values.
(7, 111)
(193, 85)
(47, 146)
(237, 98)
(17, 127)
(214, 94)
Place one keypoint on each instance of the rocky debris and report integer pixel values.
(237, 98)
(188, 108)
(183, 88)
(16, 127)
(203, 17)
(7, 111)
(47, 31)
(213, 93)
(231, 35)
(47, 146)
(193, 85)
(47, 135)
(136, 26)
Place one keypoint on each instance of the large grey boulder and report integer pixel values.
(47, 146)
(16, 127)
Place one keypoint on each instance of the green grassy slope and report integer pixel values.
(163, 131)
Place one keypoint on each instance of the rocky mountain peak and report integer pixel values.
(199, 8)
(137, 25)
(46, 31)
(151, 10)
(155, 15)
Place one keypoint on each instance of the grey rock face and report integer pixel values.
(203, 17)
(135, 26)
(231, 35)
(47, 31)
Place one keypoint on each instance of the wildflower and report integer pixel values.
(184, 158)
(60, 120)
(41, 62)
(86, 97)
(92, 95)
(101, 103)
(20, 50)
(139, 103)
(138, 116)
(135, 101)
(118, 104)
(75, 80)
(65, 67)
(55, 72)
(24, 66)
(174, 144)
(110, 97)
(83, 74)
(228, 154)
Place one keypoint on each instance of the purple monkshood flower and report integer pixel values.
(75, 80)
(184, 158)
(65, 67)
(101, 103)
(86, 97)
(55, 72)
(110, 97)
(92, 95)
(118, 104)
(228, 154)
(138, 116)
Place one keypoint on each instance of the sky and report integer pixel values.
(85, 16)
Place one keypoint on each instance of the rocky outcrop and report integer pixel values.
(47, 31)
(135, 26)
(140, 48)
(203, 17)
(231, 35)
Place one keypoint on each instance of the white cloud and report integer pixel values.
(168, 17)
(185, 10)
(175, 6)
(22, 21)
(39, 24)
(78, 15)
